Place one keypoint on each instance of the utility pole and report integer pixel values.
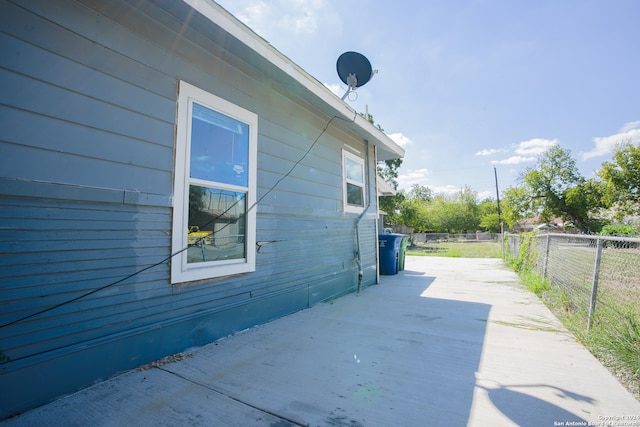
(495, 173)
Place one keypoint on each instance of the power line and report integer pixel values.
(168, 258)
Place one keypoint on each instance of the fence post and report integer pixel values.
(545, 260)
(594, 285)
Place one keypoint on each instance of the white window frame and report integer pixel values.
(181, 271)
(346, 206)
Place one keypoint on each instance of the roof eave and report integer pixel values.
(387, 148)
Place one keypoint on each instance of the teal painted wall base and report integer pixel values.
(34, 381)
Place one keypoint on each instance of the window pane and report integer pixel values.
(219, 147)
(354, 195)
(354, 170)
(216, 225)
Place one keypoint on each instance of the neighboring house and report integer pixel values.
(167, 178)
(535, 223)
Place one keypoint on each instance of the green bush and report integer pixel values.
(527, 255)
(619, 230)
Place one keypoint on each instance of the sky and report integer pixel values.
(466, 86)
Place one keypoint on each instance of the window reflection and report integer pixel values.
(216, 224)
(354, 195)
(219, 147)
(354, 170)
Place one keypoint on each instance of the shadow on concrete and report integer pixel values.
(529, 411)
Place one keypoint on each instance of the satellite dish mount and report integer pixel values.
(354, 69)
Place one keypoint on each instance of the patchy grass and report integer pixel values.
(457, 249)
(534, 283)
(617, 345)
(614, 337)
(529, 324)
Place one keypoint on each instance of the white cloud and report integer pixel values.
(486, 195)
(335, 88)
(535, 146)
(415, 176)
(420, 177)
(525, 150)
(630, 126)
(603, 145)
(514, 160)
(295, 17)
(251, 13)
(488, 152)
(400, 139)
(446, 189)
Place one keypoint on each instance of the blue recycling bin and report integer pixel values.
(389, 247)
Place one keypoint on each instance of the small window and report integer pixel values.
(354, 188)
(215, 186)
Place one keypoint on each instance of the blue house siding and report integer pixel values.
(88, 94)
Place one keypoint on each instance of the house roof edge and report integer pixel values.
(387, 148)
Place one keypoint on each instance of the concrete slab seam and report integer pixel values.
(294, 423)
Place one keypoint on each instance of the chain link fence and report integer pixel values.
(596, 277)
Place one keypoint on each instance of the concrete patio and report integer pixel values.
(447, 342)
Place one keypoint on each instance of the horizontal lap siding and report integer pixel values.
(55, 251)
(92, 122)
(88, 109)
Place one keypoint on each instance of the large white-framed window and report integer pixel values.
(353, 182)
(214, 220)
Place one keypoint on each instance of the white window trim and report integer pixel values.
(350, 208)
(180, 270)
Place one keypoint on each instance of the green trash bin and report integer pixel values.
(402, 252)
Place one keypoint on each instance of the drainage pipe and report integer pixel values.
(364, 212)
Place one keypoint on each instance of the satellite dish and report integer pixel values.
(354, 69)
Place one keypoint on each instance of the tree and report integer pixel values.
(454, 214)
(388, 170)
(621, 179)
(584, 202)
(555, 188)
(516, 205)
(489, 218)
(441, 214)
(420, 192)
(468, 210)
(555, 172)
(414, 213)
(392, 207)
(414, 209)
